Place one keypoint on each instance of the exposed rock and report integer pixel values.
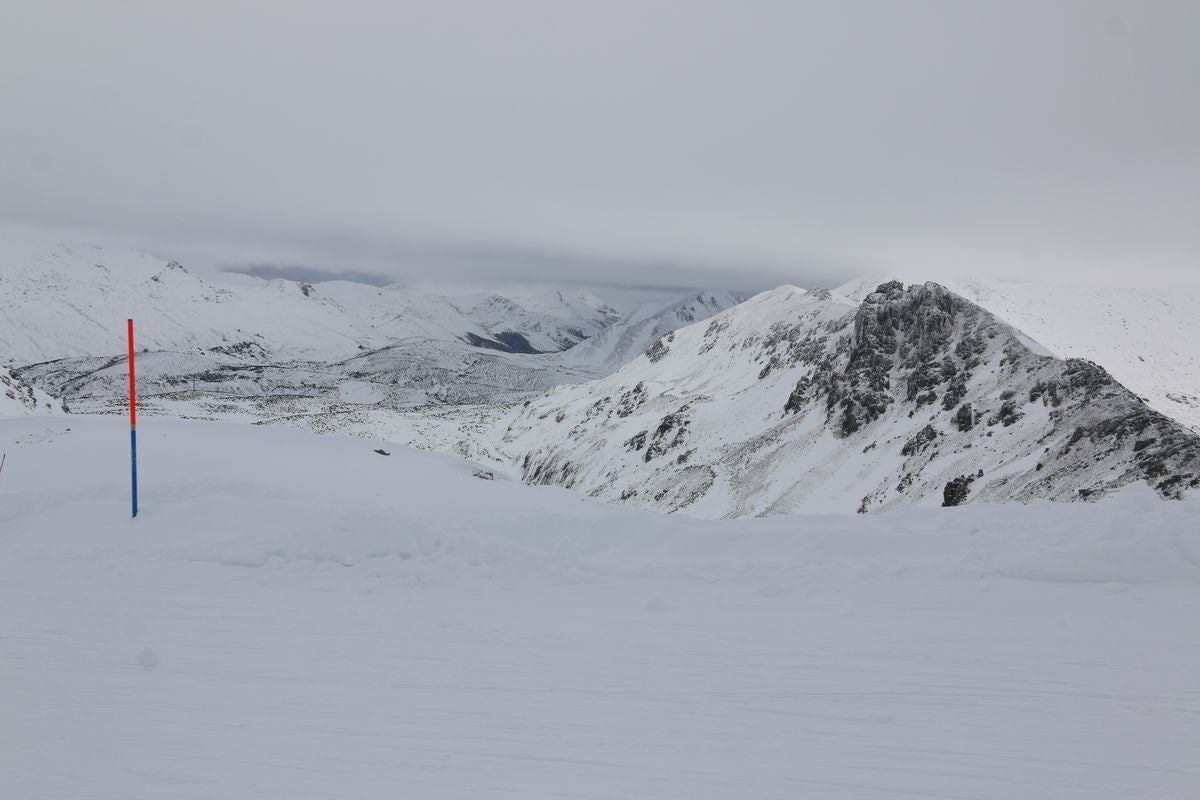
(658, 351)
(919, 442)
(955, 492)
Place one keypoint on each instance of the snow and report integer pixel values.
(297, 616)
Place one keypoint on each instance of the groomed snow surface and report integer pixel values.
(300, 617)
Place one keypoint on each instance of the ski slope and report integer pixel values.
(297, 616)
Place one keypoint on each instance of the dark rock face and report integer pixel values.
(658, 351)
(1007, 414)
(553, 471)
(671, 433)
(956, 491)
(919, 442)
(924, 338)
(910, 348)
(631, 400)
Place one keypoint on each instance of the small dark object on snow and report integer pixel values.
(383, 452)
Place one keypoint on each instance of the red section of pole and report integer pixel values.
(132, 381)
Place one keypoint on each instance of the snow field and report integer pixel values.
(297, 616)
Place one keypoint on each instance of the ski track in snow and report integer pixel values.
(296, 616)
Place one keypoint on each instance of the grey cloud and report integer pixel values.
(297, 272)
(669, 142)
(457, 264)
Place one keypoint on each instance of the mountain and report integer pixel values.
(62, 312)
(1147, 337)
(810, 400)
(860, 398)
(581, 305)
(73, 301)
(632, 334)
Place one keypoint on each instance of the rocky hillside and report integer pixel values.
(1146, 336)
(810, 400)
(19, 398)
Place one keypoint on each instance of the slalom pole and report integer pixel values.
(132, 421)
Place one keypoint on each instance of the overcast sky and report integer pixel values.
(735, 143)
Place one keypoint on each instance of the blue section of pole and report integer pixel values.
(133, 463)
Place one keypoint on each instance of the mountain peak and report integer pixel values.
(801, 400)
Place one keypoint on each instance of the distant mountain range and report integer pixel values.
(62, 315)
(869, 396)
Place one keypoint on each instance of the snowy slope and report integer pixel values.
(73, 301)
(1147, 337)
(800, 401)
(299, 617)
(18, 397)
(576, 304)
(634, 333)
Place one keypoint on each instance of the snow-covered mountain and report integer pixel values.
(564, 303)
(848, 399)
(62, 311)
(1147, 337)
(72, 301)
(632, 334)
(810, 400)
